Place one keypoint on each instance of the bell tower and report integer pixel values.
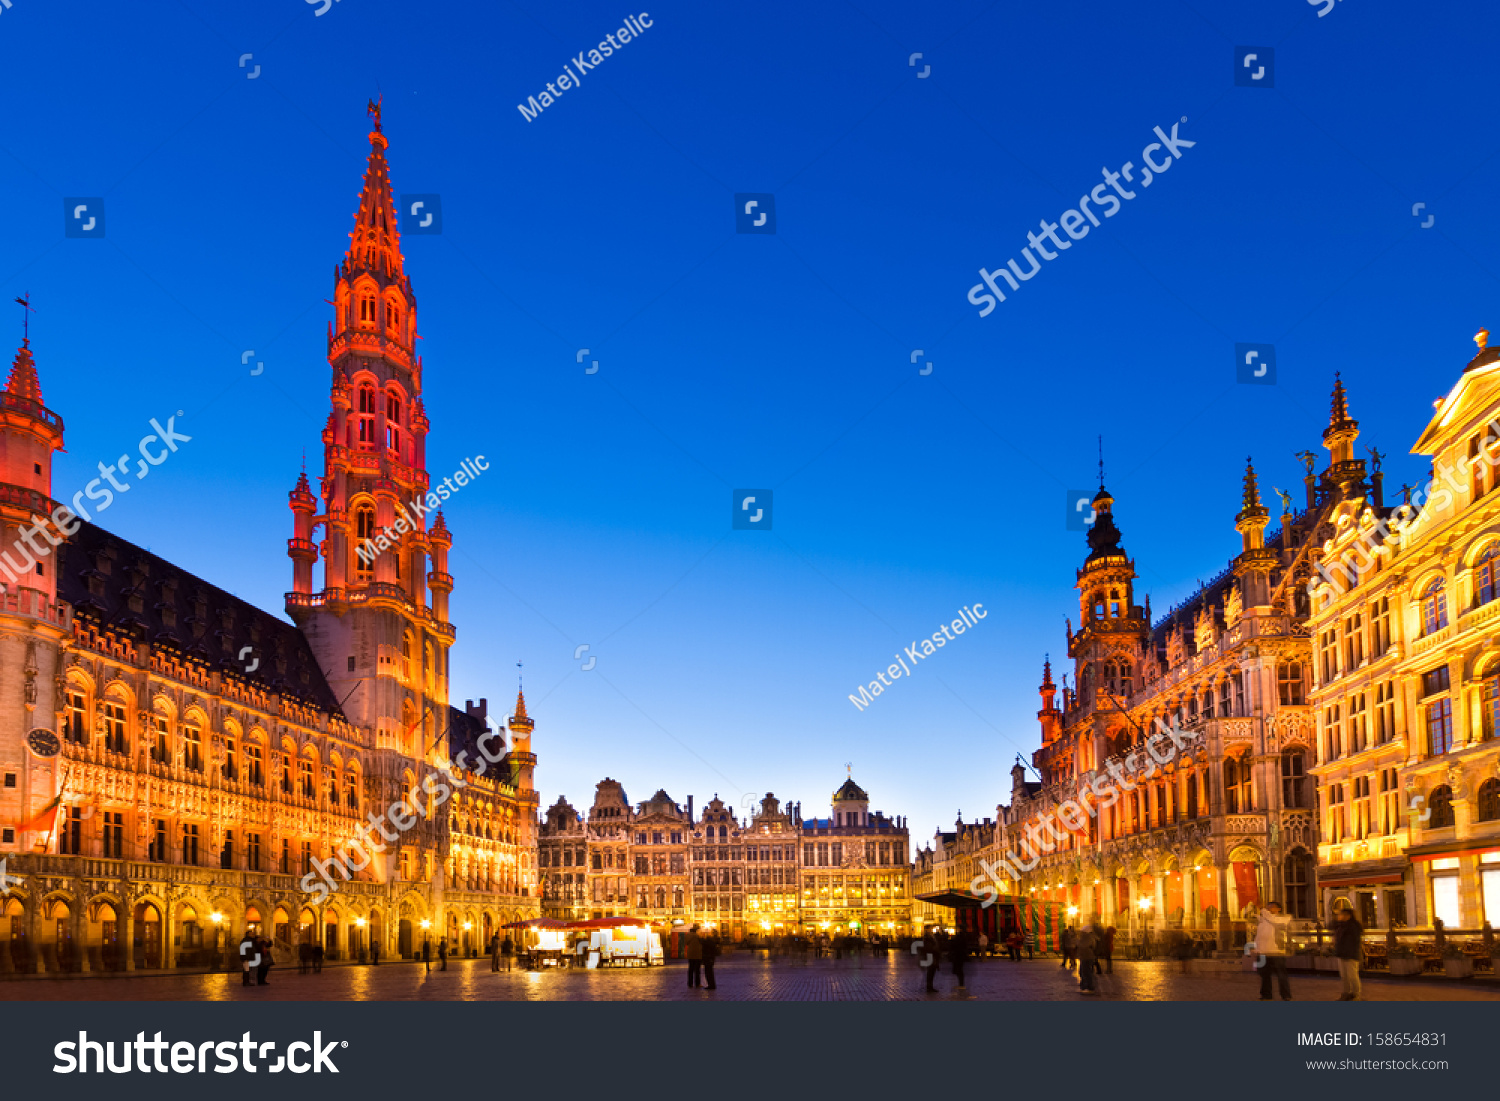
(382, 646)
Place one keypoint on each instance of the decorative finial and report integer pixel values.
(373, 110)
(849, 768)
(1482, 338)
(26, 311)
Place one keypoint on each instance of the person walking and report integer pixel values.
(304, 957)
(710, 953)
(494, 947)
(958, 953)
(443, 953)
(1349, 947)
(1087, 965)
(262, 969)
(692, 948)
(1271, 942)
(507, 947)
(929, 956)
(248, 949)
(1014, 942)
(426, 954)
(1069, 946)
(1107, 950)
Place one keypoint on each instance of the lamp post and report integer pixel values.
(1145, 904)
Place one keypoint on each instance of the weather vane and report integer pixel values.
(373, 109)
(26, 311)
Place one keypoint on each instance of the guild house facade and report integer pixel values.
(181, 766)
(771, 875)
(1406, 627)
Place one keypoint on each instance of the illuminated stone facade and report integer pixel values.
(206, 758)
(1406, 626)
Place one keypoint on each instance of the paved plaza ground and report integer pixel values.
(740, 978)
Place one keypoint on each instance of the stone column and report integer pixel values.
(1222, 872)
(78, 922)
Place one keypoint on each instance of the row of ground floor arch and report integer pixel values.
(1193, 894)
(55, 933)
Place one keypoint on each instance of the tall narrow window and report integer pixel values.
(1380, 626)
(1357, 730)
(367, 311)
(393, 424)
(365, 551)
(192, 746)
(1440, 727)
(74, 725)
(1337, 821)
(1333, 733)
(1434, 607)
(367, 417)
(114, 835)
(114, 728)
(393, 318)
(1293, 778)
(1484, 576)
(253, 774)
(1289, 683)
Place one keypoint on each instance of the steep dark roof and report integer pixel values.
(115, 585)
(850, 792)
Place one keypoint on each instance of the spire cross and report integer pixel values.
(849, 768)
(1101, 461)
(26, 311)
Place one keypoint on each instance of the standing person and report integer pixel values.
(958, 952)
(262, 969)
(1014, 941)
(506, 947)
(1069, 945)
(426, 954)
(248, 948)
(693, 949)
(984, 944)
(304, 957)
(1271, 943)
(494, 947)
(710, 953)
(1085, 947)
(1349, 947)
(375, 953)
(443, 953)
(1106, 950)
(929, 956)
(317, 958)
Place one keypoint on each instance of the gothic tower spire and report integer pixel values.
(1345, 475)
(368, 618)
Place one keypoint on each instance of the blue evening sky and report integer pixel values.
(784, 362)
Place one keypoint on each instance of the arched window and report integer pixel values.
(1289, 683)
(1488, 803)
(406, 655)
(366, 411)
(1440, 802)
(1484, 576)
(1434, 607)
(1489, 709)
(367, 310)
(393, 317)
(1293, 778)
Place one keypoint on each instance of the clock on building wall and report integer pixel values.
(43, 743)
